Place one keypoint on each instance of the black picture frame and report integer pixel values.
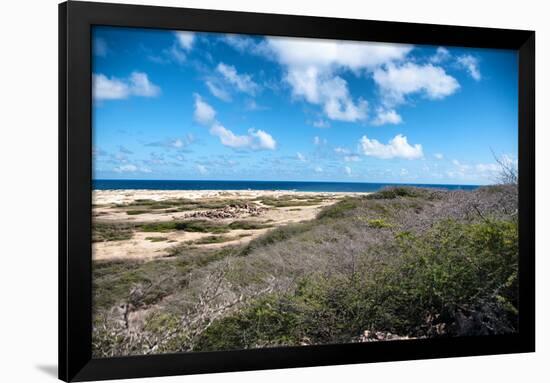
(75, 174)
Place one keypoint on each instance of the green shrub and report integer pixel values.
(379, 224)
(339, 209)
(457, 279)
(110, 232)
(394, 192)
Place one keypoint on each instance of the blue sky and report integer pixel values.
(182, 105)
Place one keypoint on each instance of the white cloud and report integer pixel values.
(487, 168)
(105, 88)
(438, 156)
(254, 106)
(311, 67)
(204, 113)
(301, 157)
(398, 81)
(352, 158)
(185, 40)
(130, 168)
(228, 138)
(387, 116)
(471, 64)
(321, 123)
(347, 170)
(329, 54)
(341, 150)
(138, 84)
(243, 82)
(318, 169)
(397, 147)
(264, 139)
(241, 43)
(327, 90)
(255, 139)
(141, 86)
(218, 91)
(202, 169)
(183, 44)
(441, 55)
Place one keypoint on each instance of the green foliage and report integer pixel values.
(202, 226)
(433, 286)
(212, 239)
(339, 209)
(379, 224)
(291, 200)
(199, 226)
(156, 239)
(277, 235)
(110, 232)
(136, 212)
(248, 225)
(395, 192)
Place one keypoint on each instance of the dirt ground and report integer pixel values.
(109, 207)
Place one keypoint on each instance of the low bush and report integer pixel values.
(102, 232)
(458, 279)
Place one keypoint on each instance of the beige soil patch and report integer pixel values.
(139, 247)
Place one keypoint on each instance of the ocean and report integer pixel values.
(258, 185)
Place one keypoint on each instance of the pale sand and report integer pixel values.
(140, 248)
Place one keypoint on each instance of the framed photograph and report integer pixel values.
(245, 191)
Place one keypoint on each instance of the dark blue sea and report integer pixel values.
(258, 185)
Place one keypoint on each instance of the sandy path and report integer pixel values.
(140, 247)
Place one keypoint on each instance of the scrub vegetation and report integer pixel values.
(397, 264)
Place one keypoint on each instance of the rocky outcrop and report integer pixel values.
(229, 211)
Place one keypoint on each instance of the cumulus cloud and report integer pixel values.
(243, 82)
(398, 81)
(254, 139)
(438, 156)
(397, 147)
(318, 169)
(185, 40)
(441, 55)
(301, 157)
(204, 113)
(112, 88)
(218, 91)
(183, 44)
(311, 67)
(326, 54)
(387, 116)
(327, 90)
(471, 64)
(141, 86)
(242, 43)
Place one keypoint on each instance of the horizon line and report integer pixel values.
(245, 180)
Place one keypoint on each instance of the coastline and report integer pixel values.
(138, 224)
(127, 195)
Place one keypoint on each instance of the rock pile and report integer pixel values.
(229, 211)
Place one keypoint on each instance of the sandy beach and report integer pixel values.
(238, 217)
